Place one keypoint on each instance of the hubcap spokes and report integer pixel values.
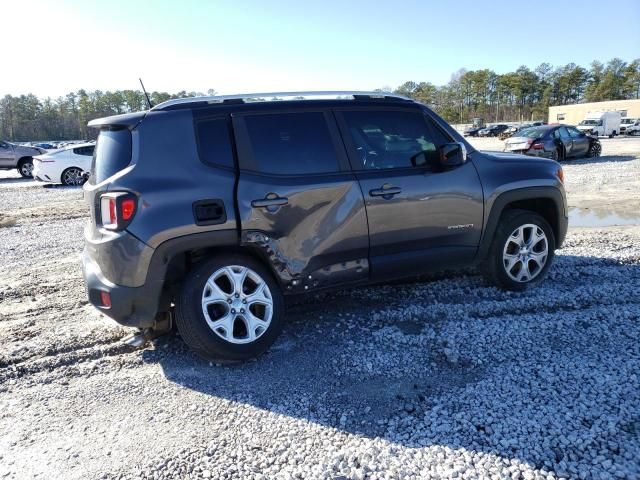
(73, 177)
(237, 304)
(596, 150)
(27, 169)
(525, 253)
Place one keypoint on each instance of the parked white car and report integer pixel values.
(633, 129)
(66, 166)
(627, 122)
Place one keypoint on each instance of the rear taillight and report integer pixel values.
(538, 146)
(117, 209)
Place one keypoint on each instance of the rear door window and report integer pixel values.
(564, 132)
(214, 142)
(112, 153)
(296, 143)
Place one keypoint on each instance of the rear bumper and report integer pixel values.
(130, 306)
(138, 306)
(43, 174)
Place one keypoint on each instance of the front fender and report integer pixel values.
(500, 200)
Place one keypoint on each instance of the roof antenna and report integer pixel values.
(146, 94)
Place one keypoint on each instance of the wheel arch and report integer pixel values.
(175, 258)
(546, 201)
(24, 159)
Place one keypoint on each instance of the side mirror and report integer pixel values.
(452, 154)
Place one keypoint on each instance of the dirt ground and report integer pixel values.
(436, 379)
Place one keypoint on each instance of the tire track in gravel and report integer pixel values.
(70, 356)
(53, 350)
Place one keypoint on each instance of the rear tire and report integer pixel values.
(522, 250)
(72, 176)
(218, 287)
(25, 168)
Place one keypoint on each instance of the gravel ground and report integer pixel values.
(446, 378)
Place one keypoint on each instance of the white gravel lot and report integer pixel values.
(446, 378)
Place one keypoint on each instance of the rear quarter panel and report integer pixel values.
(169, 177)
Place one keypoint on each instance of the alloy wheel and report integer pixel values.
(26, 169)
(237, 304)
(596, 150)
(72, 176)
(525, 253)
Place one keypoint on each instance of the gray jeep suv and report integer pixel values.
(208, 212)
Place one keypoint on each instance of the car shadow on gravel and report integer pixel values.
(15, 180)
(61, 186)
(343, 363)
(602, 159)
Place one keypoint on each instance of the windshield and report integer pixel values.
(532, 132)
(627, 121)
(596, 123)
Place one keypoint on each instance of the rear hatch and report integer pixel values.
(112, 154)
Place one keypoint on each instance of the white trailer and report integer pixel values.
(601, 124)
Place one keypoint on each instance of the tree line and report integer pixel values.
(526, 94)
(515, 96)
(29, 118)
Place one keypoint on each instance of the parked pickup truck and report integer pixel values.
(18, 156)
(210, 212)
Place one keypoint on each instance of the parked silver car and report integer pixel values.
(18, 156)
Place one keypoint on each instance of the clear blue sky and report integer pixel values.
(241, 46)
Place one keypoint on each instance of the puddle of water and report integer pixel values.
(589, 217)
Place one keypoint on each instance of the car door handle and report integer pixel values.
(269, 202)
(383, 192)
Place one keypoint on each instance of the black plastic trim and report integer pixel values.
(528, 193)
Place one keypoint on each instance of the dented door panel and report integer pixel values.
(317, 238)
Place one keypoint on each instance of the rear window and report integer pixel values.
(112, 153)
(87, 151)
(532, 132)
(291, 143)
(214, 142)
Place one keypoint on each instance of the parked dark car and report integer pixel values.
(472, 131)
(210, 212)
(46, 146)
(492, 131)
(557, 142)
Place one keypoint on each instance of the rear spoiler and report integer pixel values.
(127, 120)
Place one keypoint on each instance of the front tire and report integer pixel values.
(25, 168)
(595, 150)
(230, 309)
(521, 252)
